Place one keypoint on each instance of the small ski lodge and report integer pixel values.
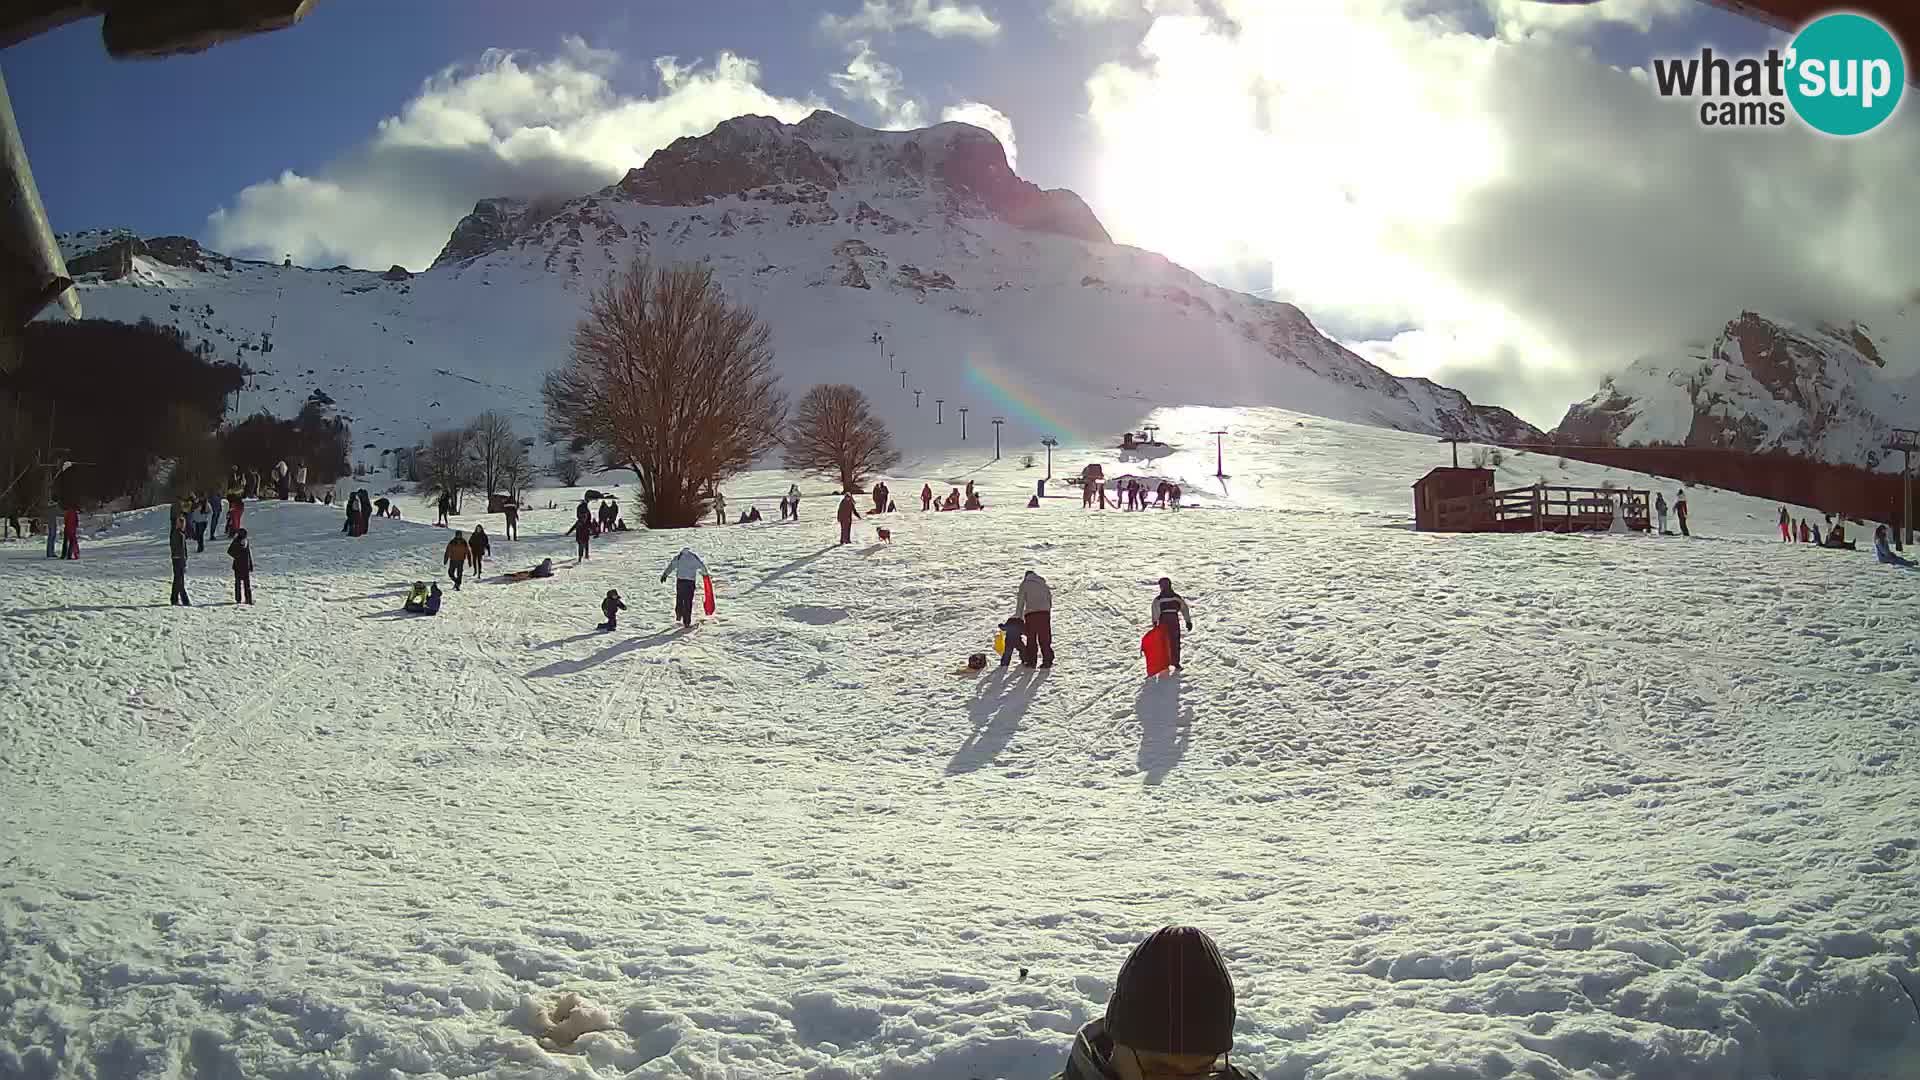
(1464, 500)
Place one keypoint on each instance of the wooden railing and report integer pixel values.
(1542, 508)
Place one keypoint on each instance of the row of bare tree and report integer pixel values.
(484, 456)
(668, 378)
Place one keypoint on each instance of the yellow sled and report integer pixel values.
(999, 643)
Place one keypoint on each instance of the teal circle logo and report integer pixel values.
(1845, 74)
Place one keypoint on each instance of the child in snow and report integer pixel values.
(1016, 629)
(416, 599)
(433, 599)
(611, 607)
(241, 552)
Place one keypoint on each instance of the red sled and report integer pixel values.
(708, 603)
(1158, 651)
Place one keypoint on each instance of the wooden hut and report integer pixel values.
(1453, 500)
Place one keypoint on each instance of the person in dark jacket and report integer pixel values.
(1169, 608)
(582, 532)
(611, 607)
(1171, 1015)
(513, 521)
(433, 599)
(846, 515)
(177, 546)
(926, 497)
(1680, 511)
(1883, 553)
(241, 552)
(1015, 629)
(442, 508)
(456, 556)
(478, 545)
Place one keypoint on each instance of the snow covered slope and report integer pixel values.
(1568, 808)
(1822, 392)
(988, 292)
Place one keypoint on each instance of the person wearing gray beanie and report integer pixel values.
(1170, 1016)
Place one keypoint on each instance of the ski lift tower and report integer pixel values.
(1049, 442)
(1907, 441)
(1220, 453)
(997, 421)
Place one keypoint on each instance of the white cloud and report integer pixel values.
(506, 125)
(1521, 18)
(989, 118)
(879, 87)
(941, 18)
(1536, 215)
(1115, 10)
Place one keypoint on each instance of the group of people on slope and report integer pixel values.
(463, 552)
(239, 550)
(283, 481)
(1679, 511)
(589, 523)
(1130, 495)
(1884, 539)
(955, 499)
(1028, 632)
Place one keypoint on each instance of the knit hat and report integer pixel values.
(1174, 996)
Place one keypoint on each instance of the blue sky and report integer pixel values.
(295, 99)
(1480, 191)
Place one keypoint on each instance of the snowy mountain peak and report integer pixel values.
(961, 168)
(1821, 392)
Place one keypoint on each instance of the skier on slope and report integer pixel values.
(846, 515)
(457, 553)
(685, 566)
(1169, 608)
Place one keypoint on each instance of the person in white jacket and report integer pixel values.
(687, 567)
(1034, 606)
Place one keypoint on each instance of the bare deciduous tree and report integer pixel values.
(669, 379)
(492, 435)
(836, 435)
(516, 471)
(566, 468)
(449, 468)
